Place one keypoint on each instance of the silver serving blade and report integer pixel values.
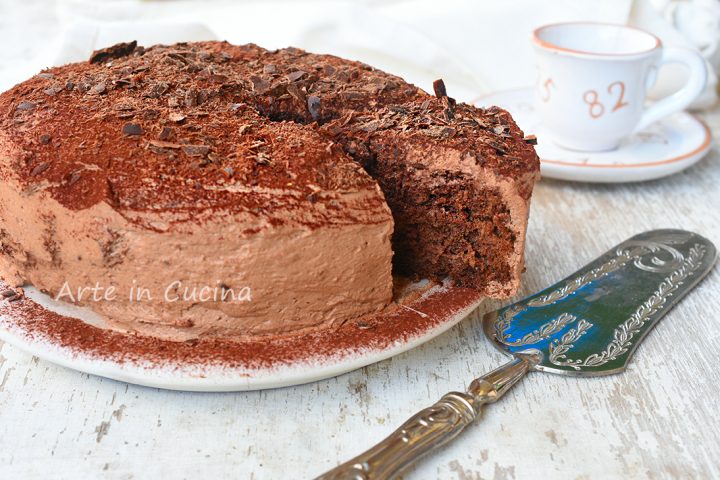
(587, 324)
(591, 322)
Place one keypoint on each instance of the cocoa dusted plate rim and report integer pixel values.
(231, 365)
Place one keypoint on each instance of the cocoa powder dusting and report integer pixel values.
(227, 100)
(21, 315)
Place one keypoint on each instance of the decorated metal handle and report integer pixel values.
(433, 426)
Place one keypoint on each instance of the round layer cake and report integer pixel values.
(208, 189)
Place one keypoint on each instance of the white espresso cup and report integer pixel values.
(593, 80)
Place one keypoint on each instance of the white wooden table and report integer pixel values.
(658, 420)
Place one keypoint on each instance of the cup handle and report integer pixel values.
(682, 98)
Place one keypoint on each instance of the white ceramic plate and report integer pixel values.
(665, 148)
(23, 324)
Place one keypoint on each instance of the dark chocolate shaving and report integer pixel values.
(131, 129)
(295, 76)
(296, 93)
(196, 150)
(25, 106)
(439, 88)
(441, 93)
(74, 177)
(313, 103)
(116, 51)
(40, 168)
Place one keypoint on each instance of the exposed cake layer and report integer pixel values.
(458, 181)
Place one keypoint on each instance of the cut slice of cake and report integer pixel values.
(458, 181)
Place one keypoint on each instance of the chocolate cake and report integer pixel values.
(279, 183)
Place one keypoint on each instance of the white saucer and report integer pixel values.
(667, 147)
(24, 324)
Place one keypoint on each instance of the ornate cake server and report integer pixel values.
(588, 324)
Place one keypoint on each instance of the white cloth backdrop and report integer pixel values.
(476, 46)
